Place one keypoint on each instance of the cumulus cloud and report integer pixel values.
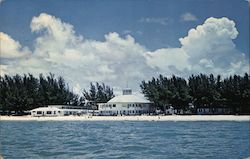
(188, 17)
(116, 60)
(168, 60)
(11, 48)
(215, 44)
(208, 48)
(58, 49)
(162, 21)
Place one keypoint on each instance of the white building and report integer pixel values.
(125, 104)
(170, 110)
(59, 110)
(215, 110)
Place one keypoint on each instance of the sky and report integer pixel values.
(122, 42)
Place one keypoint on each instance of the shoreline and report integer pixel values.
(131, 118)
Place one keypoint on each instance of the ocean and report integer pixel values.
(124, 139)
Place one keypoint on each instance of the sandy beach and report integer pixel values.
(131, 118)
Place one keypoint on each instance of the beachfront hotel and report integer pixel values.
(126, 104)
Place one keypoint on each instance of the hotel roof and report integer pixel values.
(128, 99)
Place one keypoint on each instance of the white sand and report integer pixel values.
(131, 118)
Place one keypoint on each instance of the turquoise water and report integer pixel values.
(106, 139)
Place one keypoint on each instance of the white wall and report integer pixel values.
(123, 108)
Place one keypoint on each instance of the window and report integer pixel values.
(39, 112)
(49, 112)
(54, 112)
(114, 105)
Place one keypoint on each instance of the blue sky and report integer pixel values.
(94, 18)
(155, 27)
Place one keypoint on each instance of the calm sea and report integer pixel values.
(107, 139)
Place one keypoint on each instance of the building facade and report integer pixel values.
(60, 110)
(213, 111)
(125, 104)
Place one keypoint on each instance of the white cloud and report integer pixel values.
(208, 48)
(188, 17)
(3, 70)
(130, 32)
(162, 21)
(59, 50)
(168, 60)
(213, 39)
(127, 32)
(11, 48)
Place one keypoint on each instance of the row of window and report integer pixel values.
(124, 112)
(54, 112)
(108, 105)
(47, 112)
(128, 105)
(135, 105)
(212, 110)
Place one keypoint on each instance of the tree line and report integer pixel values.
(20, 93)
(201, 90)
